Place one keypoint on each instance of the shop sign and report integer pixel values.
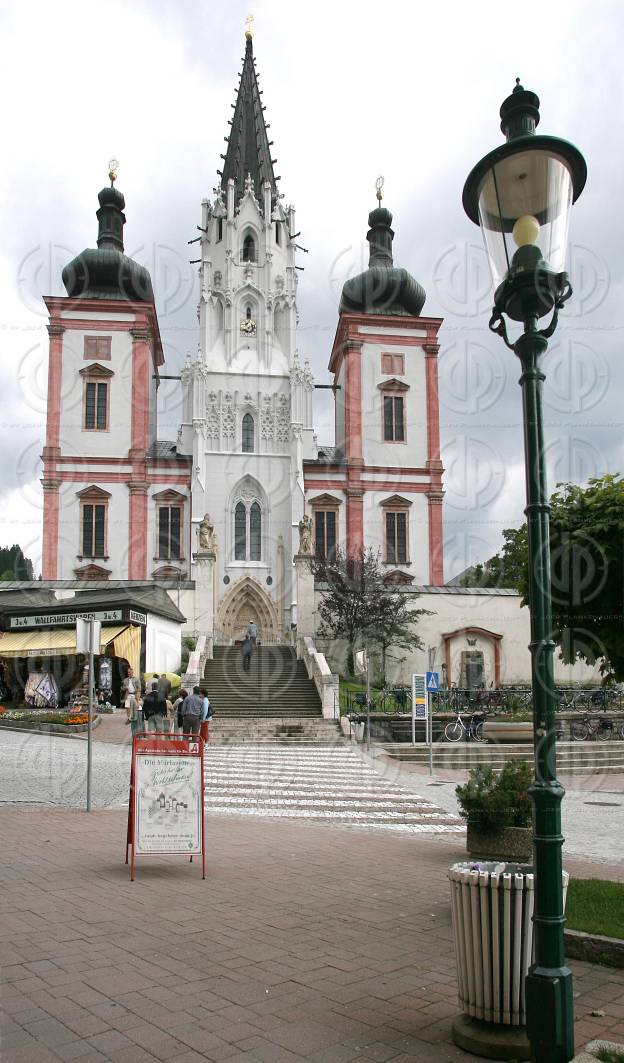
(137, 618)
(56, 619)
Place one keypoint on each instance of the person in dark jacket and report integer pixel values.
(155, 712)
(164, 686)
(192, 712)
(247, 648)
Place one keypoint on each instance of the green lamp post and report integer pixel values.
(520, 194)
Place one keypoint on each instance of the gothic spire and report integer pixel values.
(248, 151)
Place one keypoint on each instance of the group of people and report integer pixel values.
(153, 709)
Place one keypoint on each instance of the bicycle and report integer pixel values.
(456, 729)
(602, 729)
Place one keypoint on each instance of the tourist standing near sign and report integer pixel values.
(129, 691)
(164, 686)
(176, 725)
(192, 711)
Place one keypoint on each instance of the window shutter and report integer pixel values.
(330, 535)
(390, 538)
(163, 532)
(87, 531)
(102, 390)
(255, 533)
(399, 426)
(98, 536)
(240, 532)
(401, 538)
(319, 534)
(388, 422)
(90, 405)
(174, 548)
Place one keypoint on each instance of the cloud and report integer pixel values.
(412, 94)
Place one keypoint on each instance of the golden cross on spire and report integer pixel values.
(379, 183)
(248, 30)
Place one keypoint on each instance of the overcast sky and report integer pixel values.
(352, 90)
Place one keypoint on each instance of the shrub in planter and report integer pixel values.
(497, 809)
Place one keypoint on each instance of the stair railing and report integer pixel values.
(327, 684)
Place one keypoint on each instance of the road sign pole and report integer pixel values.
(90, 720)
(413, 710)
(430, 726)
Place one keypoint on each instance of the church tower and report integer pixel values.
(380, 487)
(247, 400)
(116, 501)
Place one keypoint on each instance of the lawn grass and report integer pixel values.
(596, 906)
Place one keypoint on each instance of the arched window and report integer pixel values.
(255, 532)
(249, 249)
(248, 532)
(248, 434)
(240, 532)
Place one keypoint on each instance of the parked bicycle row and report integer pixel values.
(501, 700)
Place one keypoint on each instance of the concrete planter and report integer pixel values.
(511, 843)
(500, 731)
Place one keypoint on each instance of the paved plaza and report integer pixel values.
(322, 931)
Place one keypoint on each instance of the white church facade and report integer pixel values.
(220, 516)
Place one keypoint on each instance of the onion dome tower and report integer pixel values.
(105, 272)
(383, 288)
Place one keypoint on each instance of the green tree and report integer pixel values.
(587, 571)
(357, 606)
(13, 564)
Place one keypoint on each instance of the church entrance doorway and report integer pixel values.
(247, 601)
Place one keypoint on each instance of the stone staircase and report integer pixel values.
(573, 758)
(275, 690)
(282, 730)
(325, 784)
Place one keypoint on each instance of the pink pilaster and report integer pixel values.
(49, 560)
(141, 364)
(137, 531)
(55, 367)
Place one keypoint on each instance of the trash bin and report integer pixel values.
(492, 909)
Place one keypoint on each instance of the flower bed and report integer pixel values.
(62, 721)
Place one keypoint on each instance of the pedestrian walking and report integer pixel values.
(130, 688)
(176, 725)
(252, 632)
(192, 709)
(247, 648)
(155, 712)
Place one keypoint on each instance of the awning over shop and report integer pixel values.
(59, 642)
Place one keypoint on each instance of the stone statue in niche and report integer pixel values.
(305, 534)
(207, 537)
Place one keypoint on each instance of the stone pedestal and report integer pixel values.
(204, 592)
(305, 594)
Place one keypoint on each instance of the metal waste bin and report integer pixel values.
(492, 910)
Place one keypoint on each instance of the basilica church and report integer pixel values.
(225, 515)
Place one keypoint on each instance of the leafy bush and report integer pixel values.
(491, 802)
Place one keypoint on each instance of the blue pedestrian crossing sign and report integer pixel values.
(433, 684)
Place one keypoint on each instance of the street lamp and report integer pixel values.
(520, 194)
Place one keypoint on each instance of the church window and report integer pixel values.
(93, 529)
(394, 419)
(240, 532)
(219, 229)
(255, 532)
(325, 534)
(96, 405)
(248, 434)
(97, 348)
(169, 527)
(249, 249)
(278, 233)
(393, 363)
(396, 537)
(248, 532)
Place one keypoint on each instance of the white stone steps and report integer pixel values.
(328, 783)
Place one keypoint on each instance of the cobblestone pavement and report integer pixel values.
(303, 943)
(592, 817)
